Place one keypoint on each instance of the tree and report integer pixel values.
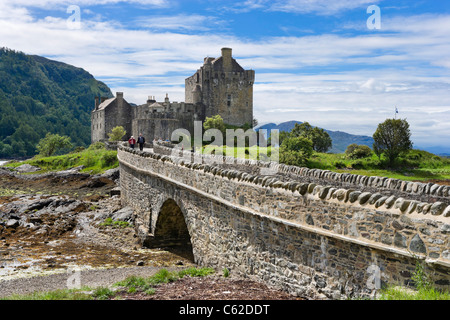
(321, 141)
(296, 151)
(215, 122)
(392, 138)
(117, 133)
(52, 143)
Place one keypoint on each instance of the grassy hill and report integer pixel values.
(38, 95)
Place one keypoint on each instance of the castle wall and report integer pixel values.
(98, 125)
(162, 124)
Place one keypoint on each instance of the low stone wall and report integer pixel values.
(419, 191)
(303, 237)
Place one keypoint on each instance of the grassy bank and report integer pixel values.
(416, 165)
(95, 159)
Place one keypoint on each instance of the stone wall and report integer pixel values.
(414, 190)
(308, 239)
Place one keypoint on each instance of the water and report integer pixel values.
(2, 162)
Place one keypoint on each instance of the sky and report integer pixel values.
(340, 65)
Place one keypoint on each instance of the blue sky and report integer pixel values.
(315, 60)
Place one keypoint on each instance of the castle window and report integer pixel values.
(229, 100)
(197, 77)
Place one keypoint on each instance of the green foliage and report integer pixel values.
(392, 138)
(355, 151)
(226, 272)
(195, 272)
(117, 133)
(115, 223)
(37, 96)
(103, 293)
(52, 143)
(295, 151)
(215, 122)
(424, 288)
(321, 141)
(420, 278)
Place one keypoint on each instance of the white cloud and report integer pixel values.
(180, 22)
(322, 7)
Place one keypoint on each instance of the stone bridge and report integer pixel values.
(313, 233)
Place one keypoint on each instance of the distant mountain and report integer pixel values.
(38, 95)
(340, 139)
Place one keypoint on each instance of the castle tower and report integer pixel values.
(224, 88)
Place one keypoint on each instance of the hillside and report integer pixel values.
(340, 139)
(38, 95)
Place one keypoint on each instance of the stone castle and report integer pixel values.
(220, 87)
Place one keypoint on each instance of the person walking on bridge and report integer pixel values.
(132, 142)
(141, 142)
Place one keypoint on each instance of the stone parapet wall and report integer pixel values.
(419, 191)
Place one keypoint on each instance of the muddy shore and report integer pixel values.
(54, 228)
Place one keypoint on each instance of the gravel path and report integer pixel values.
(91, 278)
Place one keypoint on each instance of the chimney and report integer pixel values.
(227, 60)
(96, 102)
(119, 96)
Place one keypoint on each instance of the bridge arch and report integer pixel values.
(169, 228)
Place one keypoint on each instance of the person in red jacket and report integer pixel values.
(132, 142)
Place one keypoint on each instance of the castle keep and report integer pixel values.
(220, 87)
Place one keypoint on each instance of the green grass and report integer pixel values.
(416, 165)
(115, 223)
(63, 294)
(96, 159)
(135, 284)
(401, 293)
(131, 284)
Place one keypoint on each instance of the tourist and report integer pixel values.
(141, 142)
(132, 142)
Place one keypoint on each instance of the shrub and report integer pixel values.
(108, 159)
(355, 151)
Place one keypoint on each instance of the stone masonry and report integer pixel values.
(310, 239)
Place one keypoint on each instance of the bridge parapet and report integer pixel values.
(419, 191)
(398, 226)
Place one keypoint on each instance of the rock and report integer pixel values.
(437, 208)
(390, 201)
(12, 223)
(25, 168)
(112, 174)
(354, 196)
(417, 245)
(364, 197)
(399, 240)
(124, 214)
(140, 263)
